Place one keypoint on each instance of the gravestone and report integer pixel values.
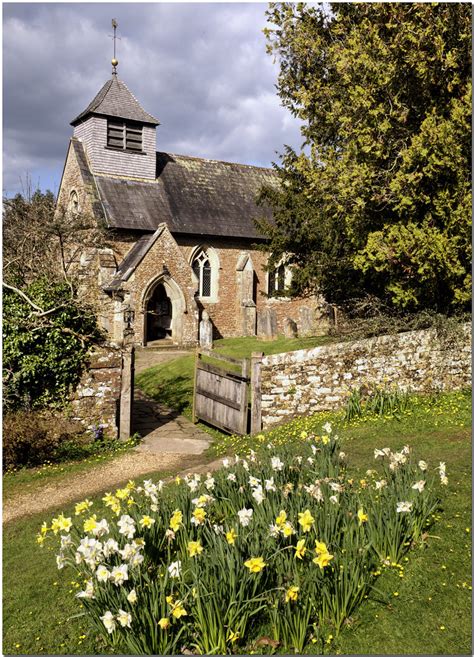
(205, 331)
(249, 317)
(267, 324)
(290, 330)
(306, 322)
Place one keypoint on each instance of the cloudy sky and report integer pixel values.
(201, 69)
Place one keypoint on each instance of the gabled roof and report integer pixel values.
(115, 99)
(191, 195)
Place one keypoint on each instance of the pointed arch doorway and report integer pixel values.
(159, 315)
(163, 306)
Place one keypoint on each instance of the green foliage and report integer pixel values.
(44, 353)
(377, 402)
(379, 201)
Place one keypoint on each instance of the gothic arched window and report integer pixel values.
(202, 269)
(73, 204)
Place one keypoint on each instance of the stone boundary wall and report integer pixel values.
(96, 400)
(322, 378)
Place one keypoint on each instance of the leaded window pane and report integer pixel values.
(206, 279)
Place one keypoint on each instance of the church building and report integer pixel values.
(181, 236)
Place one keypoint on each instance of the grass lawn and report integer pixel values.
(171, 383)
(426, 611)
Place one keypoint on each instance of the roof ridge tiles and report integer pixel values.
(209, 159)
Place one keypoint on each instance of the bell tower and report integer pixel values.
(119, 136)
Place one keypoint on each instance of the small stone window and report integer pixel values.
(202, 269)
(276, 281)
(73, 204)
(124, 136)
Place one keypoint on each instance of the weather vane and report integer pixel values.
(114, 37)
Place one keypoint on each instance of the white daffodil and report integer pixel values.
(174, 569)
(342, 456)
(88, 592)
(245, 516)
(419, 485)
(225, 463)
(274, 531)
(193, 485)
(404, 507)
(60, 561)
(253, 481)
(102, 573)
(110, 547)
(245, 465)
(270, 485)
(334, 499)
(231, 477)
(108, 621)
(277, 464)
(327, 427)
(258, 495)
(101, 528)
(423, 465)
(210, 483)
(132, 596)
(66, 541)
(124, 618)
(119, 574)
(380, 484)
(127, 526)
(337, 488)
(136, 560)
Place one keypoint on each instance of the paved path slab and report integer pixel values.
(164, 430)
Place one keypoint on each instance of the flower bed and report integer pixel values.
(276, 549)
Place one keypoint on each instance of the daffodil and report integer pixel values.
(178, 610)
(199, 516)
(176, 520)
(233, 636)
(146, 521)
(288, 529)
(255, 564)
(323, 559)
(90, 524)
(122, 493)
(164, 623)
(281, 519)
(292, 594)
(363, 517)
(81, 507)
(194, 548)
(306, 520)
(231, 535)
(300, 549)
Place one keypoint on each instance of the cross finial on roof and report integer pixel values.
(114, 60)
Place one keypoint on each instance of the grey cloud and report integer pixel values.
(201, 69)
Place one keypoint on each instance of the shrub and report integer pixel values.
(280, 542)
(33, 437)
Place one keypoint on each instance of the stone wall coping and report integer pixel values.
(366, 345)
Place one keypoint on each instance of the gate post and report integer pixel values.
(256, 393)
(126, 393)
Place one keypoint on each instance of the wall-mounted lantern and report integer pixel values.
(128, 317)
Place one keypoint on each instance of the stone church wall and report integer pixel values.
(97, 397)
(310, 380)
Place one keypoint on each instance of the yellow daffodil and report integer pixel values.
(323, 559)
(306, 520)
(255, 564)
(194, 548)
(231, 536)
(176, 520)
(178, 480)
(131, 485)
(281, 519)
(146, 521)
(90, 524)
(81, 507)
(325, 440)
(179, 610)
(363, 517)
(44, 528)
(292, 594)
(122, 493)
(164, 623)
(300, 549)
(199, 516)
(288, 529)
(233, 636)
(169, 599)
(40, 538)
(321, 548)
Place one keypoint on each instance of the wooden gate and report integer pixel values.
(220, 392)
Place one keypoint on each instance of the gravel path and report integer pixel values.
(171, 442)
(107, 476)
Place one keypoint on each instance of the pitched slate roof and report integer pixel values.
(191, 195)
(115, 99)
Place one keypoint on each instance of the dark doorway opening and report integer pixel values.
(159, 313)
